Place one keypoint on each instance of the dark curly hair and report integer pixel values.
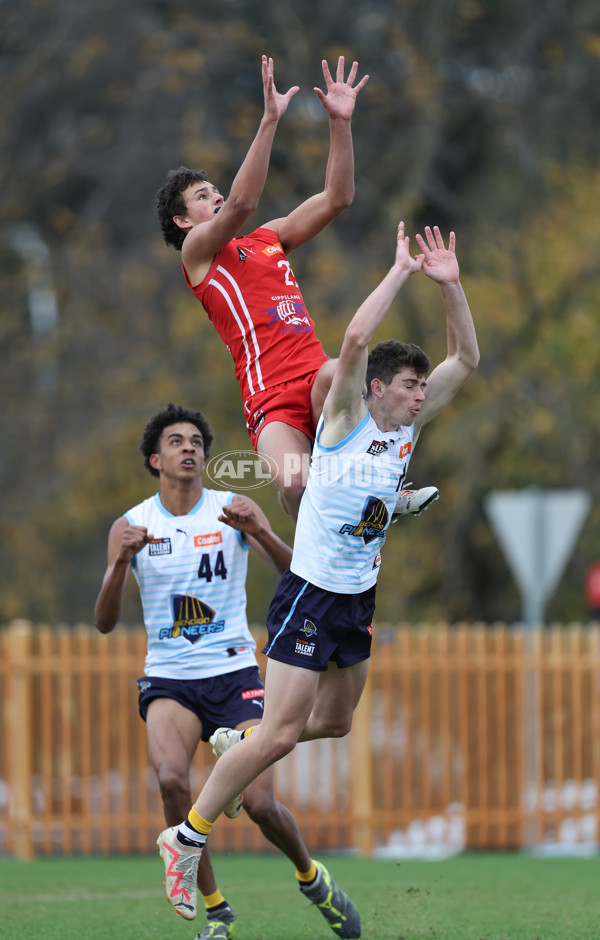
(389, 357)
(169, 202)
(173, 414)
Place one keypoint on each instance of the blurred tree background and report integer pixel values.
(479, 116)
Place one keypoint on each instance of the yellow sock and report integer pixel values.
(198, 823)
(305, 876)
(246, 732)
(211, 900)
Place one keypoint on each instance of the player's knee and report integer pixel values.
(336, 726)
(340, 731)
(174, 784)
(260, 805)
(280, 744)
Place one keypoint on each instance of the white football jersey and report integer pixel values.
(192, 580)
(347, 506)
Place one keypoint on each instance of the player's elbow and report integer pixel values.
(356, 338)
(470, 360)
(340, 201)
(103, 627)
(243, 204)
(104, 624)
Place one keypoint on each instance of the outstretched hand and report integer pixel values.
(404, 259)
(341, 95)
(275, 103)
(439, 263)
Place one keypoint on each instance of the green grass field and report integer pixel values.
(484, 897)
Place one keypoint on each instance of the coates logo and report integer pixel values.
(272, 249)
(405, 450)
(213, 539)
(253, 693)
(241, 470)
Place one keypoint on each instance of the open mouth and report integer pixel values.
(218, 209)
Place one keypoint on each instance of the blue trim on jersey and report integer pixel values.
(283, 625)
(328, 450)
(323, 448)
(170, 515)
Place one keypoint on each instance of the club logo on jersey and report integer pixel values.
(304, 648)
(213, 538)
(377, 448)
(242, 254)
(373, 522)
(272, 249)
(309, 628)
(377, 561)
(144, 684)
(192, 619)
(291, 315)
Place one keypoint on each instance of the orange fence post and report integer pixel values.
(18, 735)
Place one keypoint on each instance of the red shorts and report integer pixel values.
(288, 402)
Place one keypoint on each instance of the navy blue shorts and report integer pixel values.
(219, 702)
(310, 627)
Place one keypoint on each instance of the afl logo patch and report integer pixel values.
(376, 448)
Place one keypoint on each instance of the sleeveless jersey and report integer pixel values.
(347, 506)
(192, 581)
(252, 299)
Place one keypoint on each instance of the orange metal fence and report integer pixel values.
(466, 736)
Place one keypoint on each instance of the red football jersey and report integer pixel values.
(252, 299)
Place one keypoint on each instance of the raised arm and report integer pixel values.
(462, 357)
(344, 406)
(247, 517)
(315, 213)
(124, 541)
(205, 238)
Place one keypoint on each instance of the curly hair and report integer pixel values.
(173, 414)
(169, 202)
(389, 357)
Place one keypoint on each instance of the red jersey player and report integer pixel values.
(248, 289)
(247, 286)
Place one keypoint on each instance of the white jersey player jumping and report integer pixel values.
(320, 620)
